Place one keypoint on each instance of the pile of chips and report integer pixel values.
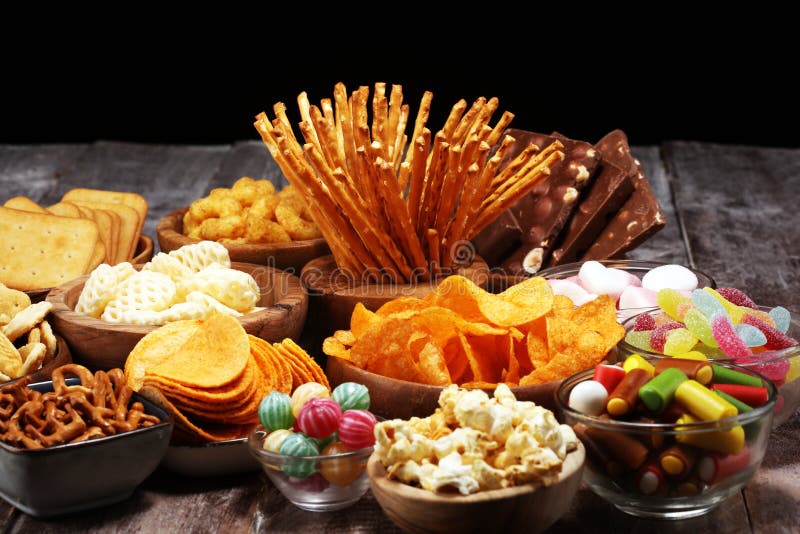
(313, 421)
(211, 375)
(461, 334)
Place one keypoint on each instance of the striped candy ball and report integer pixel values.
(274, 440)
(275, 411)
(306, 391)
(356, 429)
(298, 445)
(351, 396)
(319, 417)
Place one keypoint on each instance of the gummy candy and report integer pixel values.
(668, 300)
(662, 319)
(751, 335)
(707, 303)
(734, 311)
(659, 335)
(776, 339)
(736, 296)
(794, 369)
(679, 341)
(712, 353)
(644, 321)
(781, 317)
(640, 339)
(698, 324)
(764, 316)
(684, 307)
(726, 337)
(775, 370)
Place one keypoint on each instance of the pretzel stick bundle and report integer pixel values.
(392, 206)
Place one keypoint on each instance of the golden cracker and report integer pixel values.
(24, 204)
(27, 319)
(48, 338)
(12, 302)
(33, 355)
(10, 360)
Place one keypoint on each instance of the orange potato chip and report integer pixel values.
(333, 347)
(361, 319)
(401, 304)
(600, 315)
(457, 363)
(477, 384)
(432, 365)
(563, 306)
(155, 347)
(345, 337)
(538, 354)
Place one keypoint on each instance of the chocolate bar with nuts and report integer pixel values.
(497, 240)
(611, 187)
(544, 211)
(639, 218)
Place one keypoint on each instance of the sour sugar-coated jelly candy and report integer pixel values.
(736, 296)
(776, 340)
(307, 391)
(668, 300)
(644, 321)
(351, 396)
(782, 318)
(319, 417)
(726, 337)
(752, 336)
(339, 471)
(275, 411)
(356, 429)
(679, 341)
(640, 340)
(659, 336)
(707, 304)
(733, 311)
(298, 445)
(699, 325)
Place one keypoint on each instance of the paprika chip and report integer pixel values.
(462, 334)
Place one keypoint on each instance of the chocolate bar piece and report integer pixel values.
(544, 211)
(639, 218)
(498, 239)
(612, 186)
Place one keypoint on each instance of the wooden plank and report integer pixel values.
(33, 170)
(165, 503)
(739, 207)
(247, 158)
(168, 176)
(667, 245)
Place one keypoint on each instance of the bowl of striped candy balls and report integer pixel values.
(314, 445)
(663, 438)
(633, 284)
(723, 325)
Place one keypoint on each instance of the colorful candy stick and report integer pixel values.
(650, 480)
(715, 467)
(702, 403)
(609, 375)
(692, 355)
(673, 412)
(750, 395)
(678, 460)
(740, 406)
(695, 369)
(635, 361)
(629, 451)
(659, 391)
(725, 375)
(689, 487)
(597, 453)
(623, 398)
(725, 441)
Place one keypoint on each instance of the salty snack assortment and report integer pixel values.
(26, 338)
(315, 443)
(385, 208)
(43, 247)
(251, 211)
(597, 204)
(461, 334)
(473, 443)
(676, 431)
(191, 282)
(100, 405)
(211, 375)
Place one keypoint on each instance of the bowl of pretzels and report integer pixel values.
(101, 438)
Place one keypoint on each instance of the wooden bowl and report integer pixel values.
(290, 256)
(144, 253)
(101, 345)
(61, 357)
(528, 508)
(332, 297)
(392, 398)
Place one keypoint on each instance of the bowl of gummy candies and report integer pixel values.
(722, 325)
(668, 438)
(632, 283)
(314, 445)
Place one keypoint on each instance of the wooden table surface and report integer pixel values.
(731, 211)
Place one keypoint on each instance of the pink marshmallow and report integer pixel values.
(573, 291)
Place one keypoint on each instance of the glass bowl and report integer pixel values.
(782, 367)
(331, 483)
(637, 268)
(614, 450)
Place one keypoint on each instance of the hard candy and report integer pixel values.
(306, 391)
(589, 397)
(340, 471)
(351, 396)
(319, 417)
(275, 411)
(356, 429)
(298, 445)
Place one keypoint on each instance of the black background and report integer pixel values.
(182, 81)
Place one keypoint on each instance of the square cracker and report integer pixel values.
(24, 204)
(39, 250)
(128, 231)
(132, 200)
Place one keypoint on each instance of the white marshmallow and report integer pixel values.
(670, 277)
(637, 297)
(598, 279)
(589, 397)
(576, 293)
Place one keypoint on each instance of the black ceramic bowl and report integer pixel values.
(78, 476)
